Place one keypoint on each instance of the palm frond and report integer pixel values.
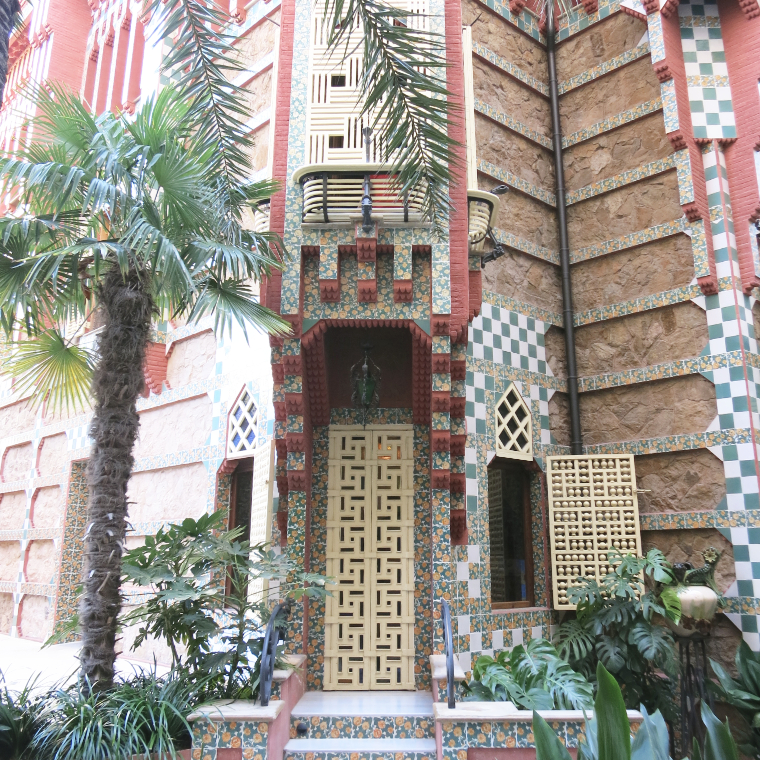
(233, 301)
(202, 65)
(53, 370)
(404, 91)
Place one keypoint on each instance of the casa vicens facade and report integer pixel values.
(412, 438)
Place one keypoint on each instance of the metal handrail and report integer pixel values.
(448, 642)
(269, 650)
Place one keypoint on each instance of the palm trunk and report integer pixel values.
(116, 386)
(8, 11)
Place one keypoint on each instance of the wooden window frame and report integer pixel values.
(504, 463)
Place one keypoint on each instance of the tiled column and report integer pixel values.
(329, 271)
(366, 256)
(402, 273)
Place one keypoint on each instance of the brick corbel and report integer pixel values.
(280, 411)
(278, 373)
(458, 369)
(294, 403)
(677, 140)
(366, 249)
(457, 481)
(516, 6)
(228, 466)
(297, 480)
(440, 480)
(440, 440)
(751, 8)
(441, 401)
(295, 324)
(440, 324)
(367, 290)
(476, 292)
(458, 527)
(296, 443)
(281, 447)
(329, 291)
(458, 444)
(457, 406)
(403, 291)
(668, 8)
(441, 363)
(282, 484)
(590, 6)
(292, 364)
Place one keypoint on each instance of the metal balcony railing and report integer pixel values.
(345, 194)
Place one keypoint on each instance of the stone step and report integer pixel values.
(364, 715)
(360, 749)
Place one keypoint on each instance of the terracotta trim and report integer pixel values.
(742, 41)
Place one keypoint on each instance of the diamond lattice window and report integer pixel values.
(514, 430)
(242, 431)
(592, 508)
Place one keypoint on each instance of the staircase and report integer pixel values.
(362, 725)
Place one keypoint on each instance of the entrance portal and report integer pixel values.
(369, 621)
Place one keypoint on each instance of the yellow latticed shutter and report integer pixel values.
(514, 429)
(592, 508)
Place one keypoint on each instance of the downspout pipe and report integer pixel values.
(564, 246)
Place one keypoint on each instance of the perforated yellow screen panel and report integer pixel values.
(592, 508)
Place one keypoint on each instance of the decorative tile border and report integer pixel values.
(525, 246)
(526, 21)
(655, 301)
(595, 72)
(679, 368)
(716, 518)
(576, 20)
(545, 196)
(637, 112)
(684, 442)
(510, 304)
(650, 169)
(657, 232)
(513, 124)
(352, 727)
(509, 68)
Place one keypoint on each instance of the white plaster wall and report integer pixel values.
(6, 613)
(41, 562)
(16, 418)
(191, 360)
(53, 455)
(12, 510)
(10, 559)
(36, 617)
(171, 494)
(18, 461)
(48, 508)
(177, 427)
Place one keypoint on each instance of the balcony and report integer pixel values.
(483, 208)
(344, 194)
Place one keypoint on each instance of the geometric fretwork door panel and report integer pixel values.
(593, 508)
(369, 621)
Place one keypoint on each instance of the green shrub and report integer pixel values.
(614, 626)
(142, 716)
(19, 721)
(534, 677)
(743, 694)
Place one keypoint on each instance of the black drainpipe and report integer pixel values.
(564, 247)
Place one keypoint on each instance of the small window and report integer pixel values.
(514, 431)
(242, 430)
(338, 80)
(335, 141)
(511, 554)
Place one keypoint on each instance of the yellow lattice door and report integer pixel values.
(369, 621)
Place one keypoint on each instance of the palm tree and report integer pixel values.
(9, 10)
(128, 217)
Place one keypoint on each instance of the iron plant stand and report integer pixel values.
(693, 658)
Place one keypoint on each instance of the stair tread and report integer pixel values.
(348, 745)
(365, 704)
